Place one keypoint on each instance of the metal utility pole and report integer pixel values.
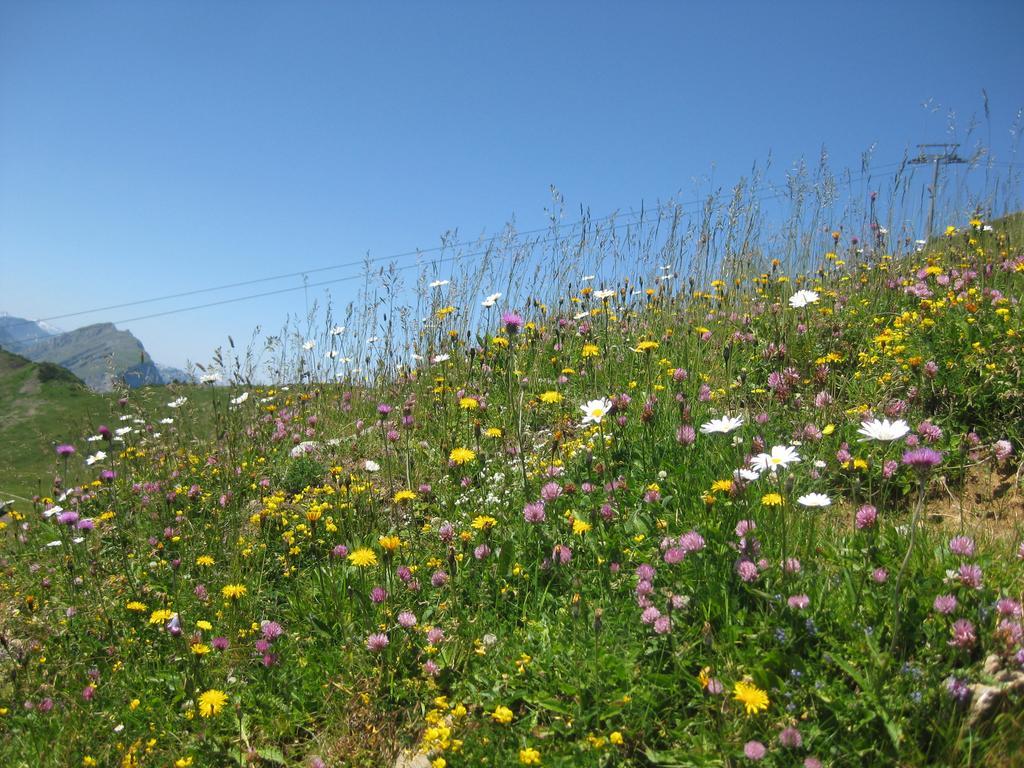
(928, 154)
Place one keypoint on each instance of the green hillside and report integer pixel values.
(41, 404)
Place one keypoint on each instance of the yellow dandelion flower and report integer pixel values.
(389, 543)
(579, 527)
(772, 500)
(469, 403)
(647, 346)
(493, 432)
(135, 605)
(205, 560)
(204, 625)
(461, 456)
(363, 557)
(234, 591)
(590, 350)
(484, 522)
(404, 496)
(752, 698)
(721, 485)
(160, 616)
(551, 397)
(200, 649)
(212, 702)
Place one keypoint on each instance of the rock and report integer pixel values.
(410, 760)
(987, 700)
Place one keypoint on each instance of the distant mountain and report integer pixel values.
(172, 375)
(17, 331)
(98, 354)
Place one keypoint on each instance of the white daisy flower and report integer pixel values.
(780, 456)
(815, 500)
(803, 298)
(884, 430)
(595, 410)
(723, 425)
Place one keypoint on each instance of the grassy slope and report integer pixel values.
(859, 714)
(34, 415)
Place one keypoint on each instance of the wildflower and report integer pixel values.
(799, 602)
(964, 634)
(866, 517)
(233, 591)
(502, 715)
(212, 702)
(551, 397)
(958, 690)
(461, 456)
(377, 642)
(790, 738)
(884, 430)
(135, 605)
(801, 299)
(970, 575)
(204, 560)
(160, 616)
(534, 512)
(513, 322)
(469, 403)
(484, 522)
(590, 350)
(404, 495)
(754, 750)
(772, 500)
(64, 450)
(945, 604)
(723, 425)
(579, 527)
(595, 410)
(815, 500)
(389, 543)
(962, 546)
(363, 557)
(752, 698)
(529, 756)
(922, 459)
(646, 346)
(780, 456)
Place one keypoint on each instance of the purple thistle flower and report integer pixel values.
(512, 322)
(64, 450)
(922, 459)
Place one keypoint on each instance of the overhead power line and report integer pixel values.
(392, 257)
(374, 260)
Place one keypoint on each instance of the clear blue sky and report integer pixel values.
(153, 147)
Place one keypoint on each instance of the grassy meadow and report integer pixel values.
(767, 512)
